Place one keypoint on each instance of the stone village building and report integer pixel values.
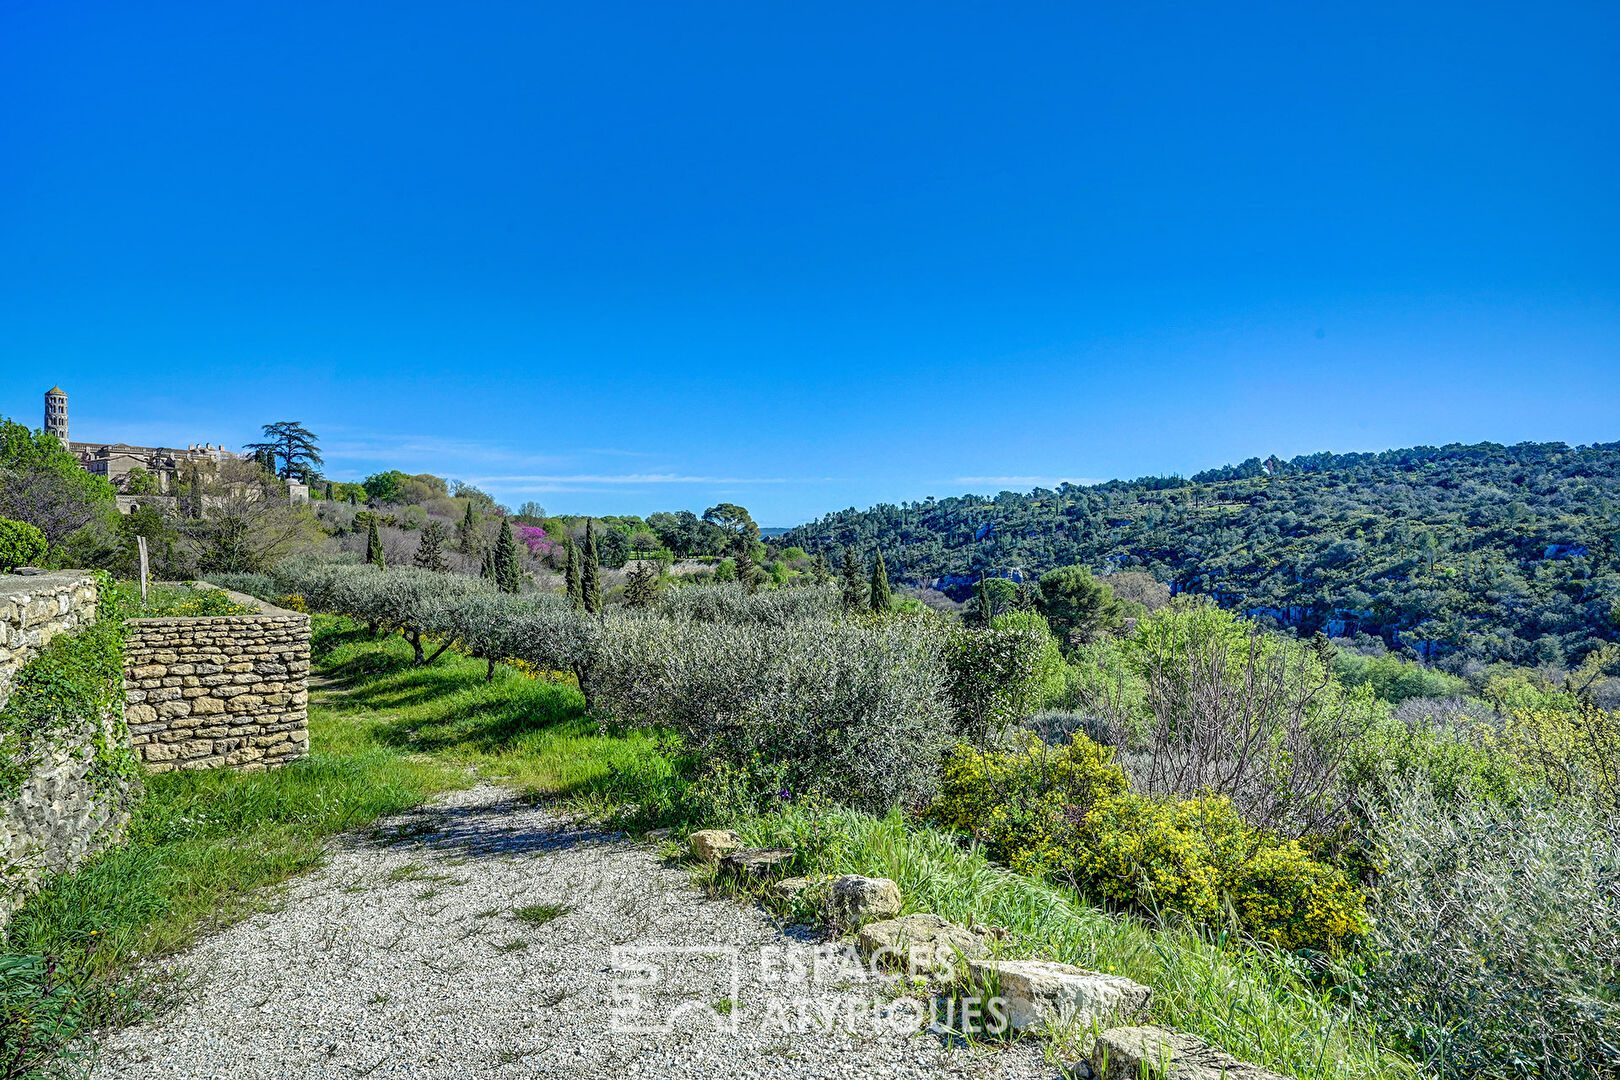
(117, 461)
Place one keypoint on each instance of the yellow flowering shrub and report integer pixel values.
(1065, 813)
(1284, 896)
(292, 602)
(1023, 803)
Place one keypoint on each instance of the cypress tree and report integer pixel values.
(352, 500)
(854, 590)
(590, 575)
(374, 548)
(748, 572)
(508, 568)
(819, 570)
(882, 598)
(576, 594)
(487, 569)
(430, 551)
(329, 491)
(469, 531)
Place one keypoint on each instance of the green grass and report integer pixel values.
(203, 845)
(1256, 1002)
(540, 914)
(530, 733)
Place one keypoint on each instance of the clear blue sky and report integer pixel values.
(618, 258)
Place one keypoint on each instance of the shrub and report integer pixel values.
(730, 602)
(21, 544)
(262, 586)
(1206, 704)
(1064, 813)
(1020, 803)
(1496, 934)
(997, 675)
(1450, 744)
(854, 708)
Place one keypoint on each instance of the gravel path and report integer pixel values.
(404, 956)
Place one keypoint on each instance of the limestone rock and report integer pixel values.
(709, 844)
(756, 863)
(658, 836)
(1042, 992)
(857, 899)
(924, 944)
(1131, 1053)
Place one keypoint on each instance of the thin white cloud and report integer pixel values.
(1017, 482)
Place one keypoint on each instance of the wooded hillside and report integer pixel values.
(1488, 551)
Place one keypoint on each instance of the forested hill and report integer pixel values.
(1500, 552)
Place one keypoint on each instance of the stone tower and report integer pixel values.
(56, 420)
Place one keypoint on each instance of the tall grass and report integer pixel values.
(1256, 1002)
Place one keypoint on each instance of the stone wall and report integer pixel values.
(65, 807)
(226, 690)
(35, 609)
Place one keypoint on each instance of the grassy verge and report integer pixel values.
(1256, 1002)
(203, 845)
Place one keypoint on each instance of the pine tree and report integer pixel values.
(508, 567)
(590, 575)
(882, 598)
(374, 548)
(641, 590)
(576, 595)
(748, 571)
(469, 531)
(430, 550)
(854, 589)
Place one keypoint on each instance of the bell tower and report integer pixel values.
(56, 418)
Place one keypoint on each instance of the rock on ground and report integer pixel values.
(1135, 1052)
(1041, 992)
(408, 955)
(925, 944)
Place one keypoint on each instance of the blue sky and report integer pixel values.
(620, 258)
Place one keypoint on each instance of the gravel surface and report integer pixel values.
(406, 956)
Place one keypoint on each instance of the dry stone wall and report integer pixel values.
(62, 810)
(213, 691)
(35, 609)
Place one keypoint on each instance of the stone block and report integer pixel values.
(1041, 993)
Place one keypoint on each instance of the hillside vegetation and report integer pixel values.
(1482, 552)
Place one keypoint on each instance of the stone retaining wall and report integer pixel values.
(213, 691)
(35, 609)
(65, 807)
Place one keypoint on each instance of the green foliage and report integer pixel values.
(1395, 680)
(20, 544)
(1019, 801)
(877, 593)
(1078, 606)
(1493, 552)
(612, 549)
(374, 548)
(1064, 812)
(41, 483)
(76, 677)
(294, 445)
(573, 583)
(854, 590)
(179, 602)
(997, 675)
(430, 548)
(1496, 936)
(590, 573)
(803, 701)
(508, 566)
